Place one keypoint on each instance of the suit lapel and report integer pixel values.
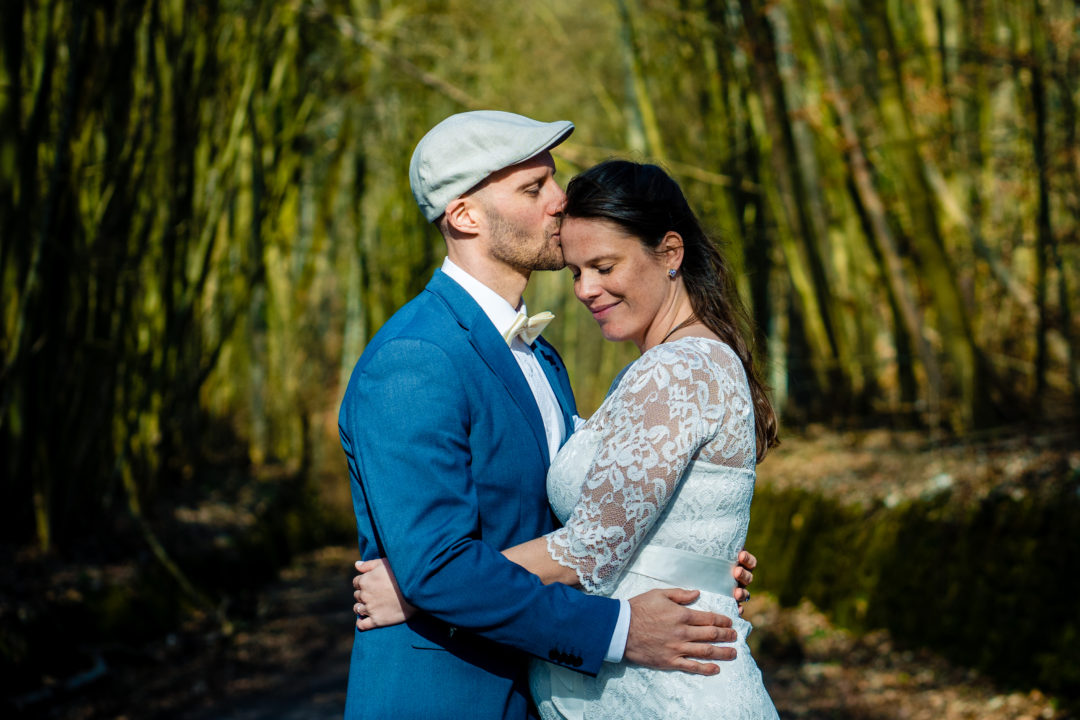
(493, 350)
(555, 373)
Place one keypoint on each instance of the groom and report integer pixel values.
(450, 420)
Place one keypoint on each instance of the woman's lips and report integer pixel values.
(601, 311)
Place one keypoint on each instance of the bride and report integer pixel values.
(654, 489)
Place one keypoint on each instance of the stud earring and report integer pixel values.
(671, 273)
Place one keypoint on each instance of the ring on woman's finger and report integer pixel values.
(746, 597)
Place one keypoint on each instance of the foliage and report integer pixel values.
(205, 213)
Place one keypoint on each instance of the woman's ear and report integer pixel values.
(671, 250)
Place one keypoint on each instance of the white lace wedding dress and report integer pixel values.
(654, 491)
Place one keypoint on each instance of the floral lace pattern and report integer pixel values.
(679, 402)
(667, 461)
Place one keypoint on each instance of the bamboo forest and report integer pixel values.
(205, 215)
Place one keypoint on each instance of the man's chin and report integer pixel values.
(550, 262)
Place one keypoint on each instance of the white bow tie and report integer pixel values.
(528, 327)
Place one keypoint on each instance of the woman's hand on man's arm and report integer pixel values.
(378, 601)
(378, 598)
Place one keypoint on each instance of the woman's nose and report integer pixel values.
(585, 288)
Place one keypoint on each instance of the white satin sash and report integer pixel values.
(684, 569)
(668, 566)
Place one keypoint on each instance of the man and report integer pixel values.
(449, 424)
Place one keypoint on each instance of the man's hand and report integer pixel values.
(743, 576)
(667, 636)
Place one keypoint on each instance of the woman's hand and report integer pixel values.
(378, 599)
(743, 577)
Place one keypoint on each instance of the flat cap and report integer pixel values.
(460, 152)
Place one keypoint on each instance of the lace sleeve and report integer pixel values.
(670, 404)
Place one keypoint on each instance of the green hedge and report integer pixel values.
(992, 583)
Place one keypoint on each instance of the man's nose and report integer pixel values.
(558, 203)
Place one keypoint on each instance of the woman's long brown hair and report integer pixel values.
(647, 203)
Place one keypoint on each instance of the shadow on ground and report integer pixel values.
(292, 663)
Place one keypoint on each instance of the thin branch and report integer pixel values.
(351, 32)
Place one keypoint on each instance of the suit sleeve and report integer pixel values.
(406, 418)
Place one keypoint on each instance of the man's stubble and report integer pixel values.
(517, 247)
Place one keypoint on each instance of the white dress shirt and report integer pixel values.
(502, 315)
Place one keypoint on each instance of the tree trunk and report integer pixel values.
(787, 196)
(1044, 236)
(868, 200)
(643, 132)
(940, 274)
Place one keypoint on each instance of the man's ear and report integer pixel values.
(671, 249)
(464, 216)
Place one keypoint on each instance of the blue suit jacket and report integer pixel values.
(448, 459)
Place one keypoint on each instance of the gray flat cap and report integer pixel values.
(458, 153)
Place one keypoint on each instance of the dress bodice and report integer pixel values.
(665, 469)
(667, 459)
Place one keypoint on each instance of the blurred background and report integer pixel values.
(205, 215)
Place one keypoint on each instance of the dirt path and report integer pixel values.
(287, 656)
(816, 671)
(293, 664)
(290, 661)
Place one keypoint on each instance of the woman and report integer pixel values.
(654, 490)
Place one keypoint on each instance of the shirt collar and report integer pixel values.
(499, 312)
